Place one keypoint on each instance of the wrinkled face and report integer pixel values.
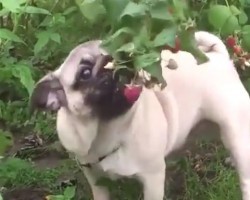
(82, 85)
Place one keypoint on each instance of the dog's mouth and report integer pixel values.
(115, 82)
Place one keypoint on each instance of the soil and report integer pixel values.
(44, 155)
(26, 194)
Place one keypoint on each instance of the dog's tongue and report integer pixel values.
(132, 93)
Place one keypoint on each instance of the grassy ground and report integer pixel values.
(36, 166)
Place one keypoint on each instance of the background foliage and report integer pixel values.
(35, 35)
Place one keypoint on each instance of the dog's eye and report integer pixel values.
(86, 73)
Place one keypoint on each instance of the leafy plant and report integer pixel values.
(68, 194)
(18, 172)
(34, 33)
(5, 141)
(135, 32)
(138, 31)
(30, 35)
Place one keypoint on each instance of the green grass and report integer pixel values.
(205, 175)
(15, 172)
(200, 174)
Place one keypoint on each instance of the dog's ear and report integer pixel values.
(48, 94)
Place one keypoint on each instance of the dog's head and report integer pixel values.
(82, 85)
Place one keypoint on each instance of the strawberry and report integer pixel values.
(237, 50)
(132, 93)
(231, 41)
(177, 46)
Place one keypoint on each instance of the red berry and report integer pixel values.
(231, 41)
(237, 50)
(177, 46)
(132, 93)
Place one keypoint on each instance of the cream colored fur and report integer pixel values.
(160, 122)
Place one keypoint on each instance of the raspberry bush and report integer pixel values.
(136, 31)
(35, 35)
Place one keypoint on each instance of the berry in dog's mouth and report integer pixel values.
(132, 92)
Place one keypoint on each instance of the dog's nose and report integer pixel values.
(106, 79)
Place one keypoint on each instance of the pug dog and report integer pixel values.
(112, 135)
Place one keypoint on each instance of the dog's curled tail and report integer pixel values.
(208, 42)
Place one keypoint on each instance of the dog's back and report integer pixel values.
(197, 89)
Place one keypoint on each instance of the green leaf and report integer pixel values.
(180, 7)
(1, 197)
(55, 37)
(6, 140)
(35, 10)
(188, 43)
(11, 5)
(114, 8)
(23, 73)
(43, 39)
(92, 9)
(218, 15)
(243, 18)
(142, 40)
(133, 10)
(235, 10)
(242, 2)
(126, 30)
(69, 193)
(246, 36)
(222, 18)
(146, 60)
(129, 47)
(69, 10)
(159, 11)
(116, 40)
(231, 25)
(8, 35)
(4, 12)
(166, 36)
(156, 71)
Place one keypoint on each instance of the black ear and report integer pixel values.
(48, 94)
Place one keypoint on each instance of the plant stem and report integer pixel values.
(227, 3)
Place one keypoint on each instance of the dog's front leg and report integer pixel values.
(153, 184)
(150, 172)
(99, 192)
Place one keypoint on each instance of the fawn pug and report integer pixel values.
(114, 136)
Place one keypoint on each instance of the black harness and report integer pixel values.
(89, 165)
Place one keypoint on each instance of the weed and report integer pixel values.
(68, 194)
(15, 172)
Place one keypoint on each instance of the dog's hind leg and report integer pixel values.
(235, 133)
(99, 192)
